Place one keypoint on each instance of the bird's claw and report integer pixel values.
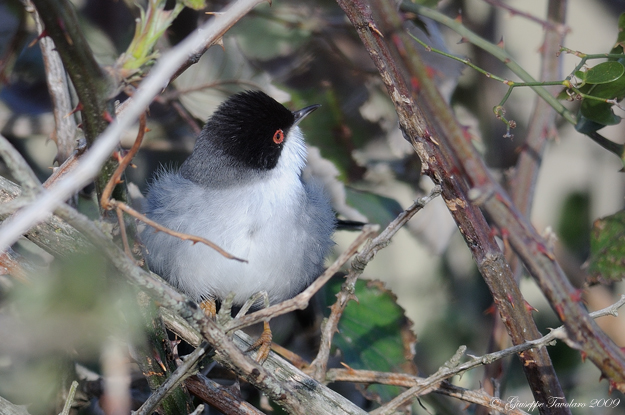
(262, 344)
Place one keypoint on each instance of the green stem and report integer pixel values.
(494, 50)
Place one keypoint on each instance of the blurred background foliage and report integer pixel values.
(302, 53)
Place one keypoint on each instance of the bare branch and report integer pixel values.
(319, 365)
(186, 369)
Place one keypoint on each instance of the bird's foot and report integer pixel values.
(262, 344)
(209, 307)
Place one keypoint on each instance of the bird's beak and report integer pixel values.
(301, 114)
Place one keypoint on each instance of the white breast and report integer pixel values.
(271, 223)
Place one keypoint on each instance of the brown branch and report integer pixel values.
(523, 184)
(555, 26)
(319, 366)
(531, 248)
(426, 120)
(219, 397)
(115, 178)
(160, 228)
(478, 397)
(453, 367)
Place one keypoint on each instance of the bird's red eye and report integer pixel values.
(278, 136)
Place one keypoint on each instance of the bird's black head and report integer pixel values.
(251, 128)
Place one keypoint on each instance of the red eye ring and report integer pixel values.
(278, 137)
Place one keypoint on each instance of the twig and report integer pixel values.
(300, 301)
(319, 365)
(452, 367)
(218, 396)
(125, 162)
(183, 371)
(492, 49)
(559, 28)
(523, 184)
(90, 164)
(70, 398)
(160, 228)
(478, 397)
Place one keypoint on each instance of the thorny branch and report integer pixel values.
(453, 367)
(186, 369)
(438, 138)
(319, 365)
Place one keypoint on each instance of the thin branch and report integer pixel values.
(523, 183)
(319, 365)
(186, 369)
(300, 301)
(218, 396)
(453, 367)
(557, 27)
(98, 154)
(58, 86)
(478, 397)
(427, 121)
(160, 228)
(125, 162)
(492, 49)
(70, 399)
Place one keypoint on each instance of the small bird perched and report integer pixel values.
(242, 189)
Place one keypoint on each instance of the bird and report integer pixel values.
(242, 189)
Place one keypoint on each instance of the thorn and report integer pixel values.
(543, 250)
(375, 29)
(584, 355)
(346, 366)
(501, 43)
(68, 39)
(577, 295)
(462, 40)
(490, 310)
(414, 84)
(510, 299)
(220, 42)
(431, 72)
(459, 17)
(529, 307)
(43, 34)
(79, 107)
(107, 117)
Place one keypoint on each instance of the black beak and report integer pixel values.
(301, 114)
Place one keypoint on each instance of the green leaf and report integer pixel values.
(604, 72)
(378, 209)
(601, 112)
(607, 249)
(374, 334)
